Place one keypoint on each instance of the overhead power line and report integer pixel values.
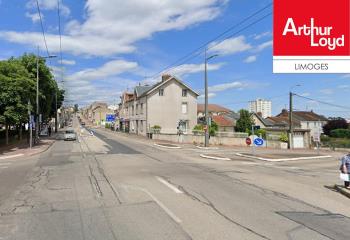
(60, 34)
(323, 102)
(198, 51)
(42, 27)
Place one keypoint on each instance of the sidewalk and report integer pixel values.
(22, 148)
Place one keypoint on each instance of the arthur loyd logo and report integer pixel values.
(311, 36)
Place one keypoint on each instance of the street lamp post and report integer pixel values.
(290, 137)
(206, 142)
(37, 93)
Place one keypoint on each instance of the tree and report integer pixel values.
(335, 123)
(76, 108)
(16, 89)
(245, 121)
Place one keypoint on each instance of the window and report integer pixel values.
(184, 92)
(137, 109)
(132, 111)
(184, 108)
(141, 125)
(141, 108)
(161, 92)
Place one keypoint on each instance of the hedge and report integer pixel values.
(340, 133)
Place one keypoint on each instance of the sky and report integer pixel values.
(110, 46)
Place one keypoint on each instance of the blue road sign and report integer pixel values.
(259, 141)
(110, 117)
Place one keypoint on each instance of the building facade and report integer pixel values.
(169, 104)
(261, 106)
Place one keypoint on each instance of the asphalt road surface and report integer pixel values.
(114, 186)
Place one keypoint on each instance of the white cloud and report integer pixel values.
(250, 59)
(263, 46)
(192, 68)
(49, 5)
(262, 35)
(327, 91)
(34, 17)
(113, 26)
(68, 62)
(98, 84)
(305, 94)
(226, 86)
(230, 46)
(109, 69)
(210, 95)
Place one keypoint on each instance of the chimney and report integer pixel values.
(285, 111)
(166, 77)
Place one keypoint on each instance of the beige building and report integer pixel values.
(261, 106)
(97, 112)
(170, 104)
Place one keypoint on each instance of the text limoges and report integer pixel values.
(319, 36)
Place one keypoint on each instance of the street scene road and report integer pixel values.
(111, 186)
(170, 120)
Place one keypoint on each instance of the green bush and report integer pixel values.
(261, 132)
(284, 137)
(198, 129)
(213, 128)
(156, 129)
(340, 133)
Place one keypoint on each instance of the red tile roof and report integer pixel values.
(223, 121)
(212, 108)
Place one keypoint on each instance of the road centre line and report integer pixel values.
(160, 204)
(169, 185)
(5, 164)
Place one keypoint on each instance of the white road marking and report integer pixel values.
(169, 185)
(215, 158)
(160, 204)
(175, 146)
(5, 164)
(282, 159)
(11, 156)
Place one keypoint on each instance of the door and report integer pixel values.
(298, 140)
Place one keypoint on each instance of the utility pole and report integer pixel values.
(56, 113)
(30, 127)
(37, 94)
(290, 132)
(290, 137)
(206, 142)
(37, 98)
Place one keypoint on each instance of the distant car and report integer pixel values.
(83, 123)
(70, 135)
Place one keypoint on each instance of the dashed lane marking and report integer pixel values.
(169, 185)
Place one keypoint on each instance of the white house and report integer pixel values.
(170, 104)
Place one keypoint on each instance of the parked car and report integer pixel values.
(83, 123)
(70, 135)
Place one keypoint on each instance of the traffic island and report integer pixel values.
(167, 145)
(279, 157)
(206, 148)
(214, 157)
(342, 190)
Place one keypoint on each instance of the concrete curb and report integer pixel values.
(44, 150)
(342, 190)
(282, 159)
(175, 147)
(214, 158)
(207, 148)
